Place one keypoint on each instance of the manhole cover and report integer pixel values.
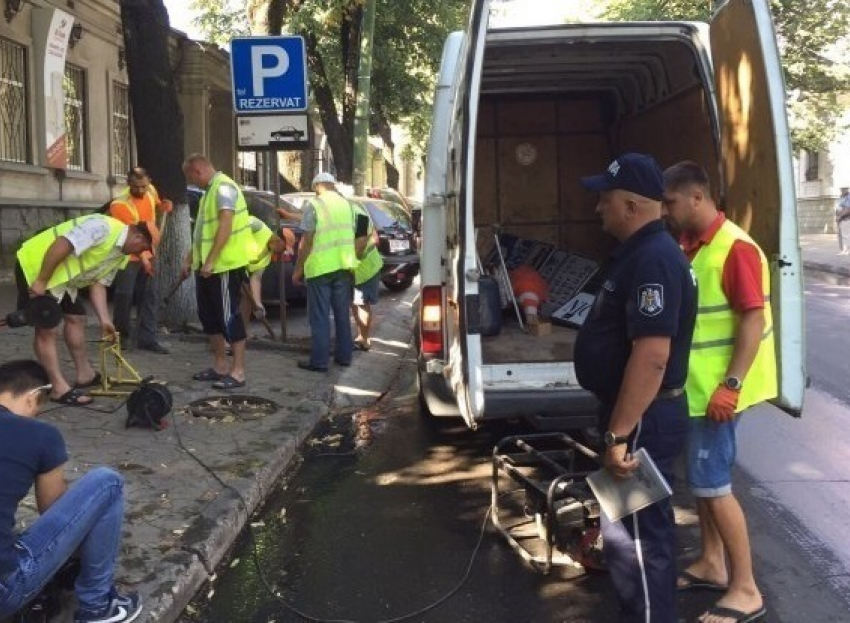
(232, 407)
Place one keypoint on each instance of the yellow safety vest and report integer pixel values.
(31, 254)
(716, 326)
(262, 234)
(240, 247)
(333, 239)
(371, 263)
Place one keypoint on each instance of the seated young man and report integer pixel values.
(84, 519)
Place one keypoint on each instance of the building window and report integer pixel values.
(14, 129)
(76, 119)
(812, 165)
(121, 129)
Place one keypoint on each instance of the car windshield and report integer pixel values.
(262, 205)
(386, 214)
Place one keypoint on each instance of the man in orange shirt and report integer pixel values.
(133, 285)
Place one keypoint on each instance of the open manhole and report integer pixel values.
(232, 407)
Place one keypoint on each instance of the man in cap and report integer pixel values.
(326, 259)
(632, 353)
(84, 252)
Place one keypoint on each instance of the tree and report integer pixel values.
(806, 38)
(408, 43)
(158, 126)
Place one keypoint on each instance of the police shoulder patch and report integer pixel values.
(651, 299)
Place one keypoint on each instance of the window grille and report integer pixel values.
(122, 136)
(14, 109)
(76, 118)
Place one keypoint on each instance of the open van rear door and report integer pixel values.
(757, 170)
(465, 354)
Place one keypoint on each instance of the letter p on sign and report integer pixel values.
(261, 72)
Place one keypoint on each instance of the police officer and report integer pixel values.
(632, 353)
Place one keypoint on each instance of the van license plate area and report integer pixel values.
(399, 245)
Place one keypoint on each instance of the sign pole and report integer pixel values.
(281, 273)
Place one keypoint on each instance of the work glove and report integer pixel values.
(723, 403)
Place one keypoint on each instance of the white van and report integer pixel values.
(520, 115)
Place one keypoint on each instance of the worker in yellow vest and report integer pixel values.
(222, 248)
(133, 286)
(732, 367)
(367, 277)
(267, 244)
(84, 252)
(326, 259)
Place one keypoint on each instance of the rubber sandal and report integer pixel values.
(689, 582)
(228, 382)
(737, 615)
(97, 379)
(361, 346)
(72, 398)
(208, 375)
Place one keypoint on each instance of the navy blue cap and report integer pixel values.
(637, 173)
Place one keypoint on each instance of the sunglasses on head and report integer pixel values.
(40, 389)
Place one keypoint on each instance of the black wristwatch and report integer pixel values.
(611, 439)
(733, 383)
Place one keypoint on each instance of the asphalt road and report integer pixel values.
(391, 529)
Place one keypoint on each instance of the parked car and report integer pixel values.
(396, 238)
(411, 206)
(276, 214)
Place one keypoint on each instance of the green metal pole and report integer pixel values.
(364, 91)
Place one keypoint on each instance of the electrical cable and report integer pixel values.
(278, 598)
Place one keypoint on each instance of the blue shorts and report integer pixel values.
(711, 455)
(367, 292)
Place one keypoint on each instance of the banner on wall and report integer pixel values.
(51, 31)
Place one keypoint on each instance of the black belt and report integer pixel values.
(668, 393)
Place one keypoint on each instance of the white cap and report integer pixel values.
(324, 178)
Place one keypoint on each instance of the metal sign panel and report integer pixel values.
(269, 74)
(274, 132)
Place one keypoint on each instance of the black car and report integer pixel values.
(396, 241)
(278, 215)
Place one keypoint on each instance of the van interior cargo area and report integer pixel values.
(554, 111)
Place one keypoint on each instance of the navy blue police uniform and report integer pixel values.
(649, 291)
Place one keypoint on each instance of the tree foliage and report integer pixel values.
(807, 33)
(408, 41)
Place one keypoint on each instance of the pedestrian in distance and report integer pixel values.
(632, 353)
(268, 244)
(732, 367)
(86, 251)
(367, 278)
(842, 221)
(222, 248)
(326, 259)
(133, 286)
(83, 520)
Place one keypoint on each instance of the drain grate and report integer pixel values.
(232, 407)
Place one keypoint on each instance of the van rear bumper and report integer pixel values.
(546, 409)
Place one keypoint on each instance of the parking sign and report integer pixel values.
(269, 74)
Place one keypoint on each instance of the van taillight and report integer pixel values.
(431, 326)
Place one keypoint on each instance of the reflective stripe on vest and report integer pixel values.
(31, 254)
(240, 246)
(261, 236)
(371, 263)
(126, 199)
(716, 326)
(333, 239)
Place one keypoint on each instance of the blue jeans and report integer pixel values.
(328, 292)
(711, 455)
(85, 520)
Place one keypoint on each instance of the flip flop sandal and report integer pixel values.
(361, 346)
(97, 379)
(73, 397)
(690, 582)
(756, 616)
(228, 382)
(208, 375)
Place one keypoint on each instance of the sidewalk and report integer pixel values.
(820, 252)
(179, 520)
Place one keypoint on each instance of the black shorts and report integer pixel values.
(69, 307)
(218, 304)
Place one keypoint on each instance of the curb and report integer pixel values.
(823, 267)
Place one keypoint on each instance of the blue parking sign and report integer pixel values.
(269, 74)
